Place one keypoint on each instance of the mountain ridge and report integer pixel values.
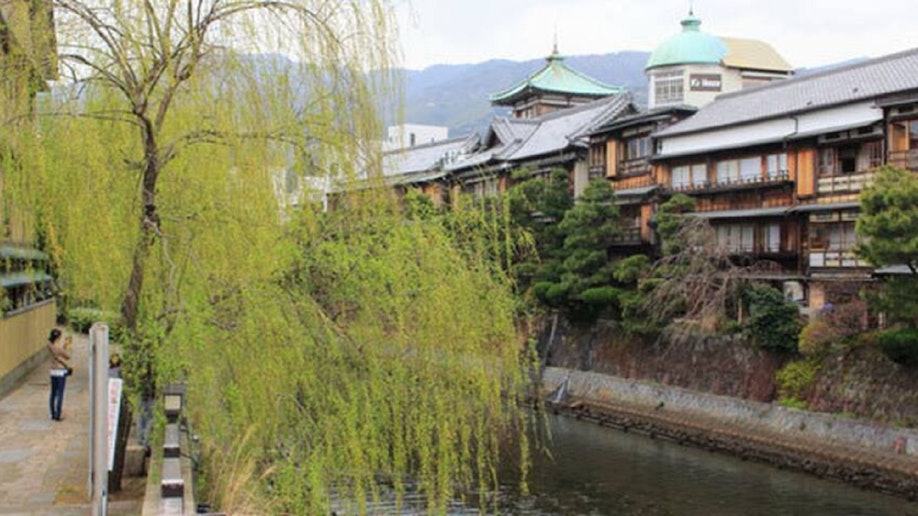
(457, 95)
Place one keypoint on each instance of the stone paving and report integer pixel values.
(44, 463)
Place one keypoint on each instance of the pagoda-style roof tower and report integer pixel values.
(555, 86)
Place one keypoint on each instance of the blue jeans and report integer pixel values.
(56, 400)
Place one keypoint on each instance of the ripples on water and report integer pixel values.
(597, 470)
(593, 470)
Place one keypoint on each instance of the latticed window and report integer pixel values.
(668, 87)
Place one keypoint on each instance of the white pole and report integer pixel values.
(98, 338)
(92, 408)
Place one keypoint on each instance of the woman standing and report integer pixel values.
(60, 370)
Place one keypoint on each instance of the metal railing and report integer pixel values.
(729, 184)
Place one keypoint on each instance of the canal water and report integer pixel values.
(597, 470)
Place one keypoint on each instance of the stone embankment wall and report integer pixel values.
(868, 455)
(609, 390)
(859, 382)
(729, 367)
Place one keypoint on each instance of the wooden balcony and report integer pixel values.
(596, 171)
(907, 159)
(836, 259)
(844, 183)
(733, 185)
(633, 167)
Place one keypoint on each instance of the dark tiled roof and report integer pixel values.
(645, 116)
(424, 158)
(558, 130)
(513, 139)
(742, 214)
(861, 81)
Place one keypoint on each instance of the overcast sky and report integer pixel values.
(806, 32)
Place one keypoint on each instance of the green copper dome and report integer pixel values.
(691, 46)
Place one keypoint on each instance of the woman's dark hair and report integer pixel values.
(55, 334)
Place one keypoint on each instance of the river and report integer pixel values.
(597, 470)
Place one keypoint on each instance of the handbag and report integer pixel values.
(69, 371)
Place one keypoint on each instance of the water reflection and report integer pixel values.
(597, 470)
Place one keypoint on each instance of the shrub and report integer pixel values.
(794, 378)
(815, 338)
(793, 403)
(601, 296)
(901, 346)
(81, 320)
(773, 322)
(839, 325)
(846, 319)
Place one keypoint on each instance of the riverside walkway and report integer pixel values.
(44, 463)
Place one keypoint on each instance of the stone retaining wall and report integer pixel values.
(791, 422)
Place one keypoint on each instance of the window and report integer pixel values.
(850, 159)
(689, 175)
(869, 156)
(827, 161)
(847, 160)
(832, 237)
(771, 238)
(598, 154)
(776, 165)
(637, 148)
(699, 175)
(842, 237)
(736, 238)
(750, 169)
(668, 88)
(682, 177)
(727, 172)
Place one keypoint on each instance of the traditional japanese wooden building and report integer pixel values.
(553, 112)
(621, 151)
(557, 140)
(778, 170)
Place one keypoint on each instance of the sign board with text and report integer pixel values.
(705, 82)
(114, 412)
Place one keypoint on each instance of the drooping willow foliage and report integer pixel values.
(330, 358)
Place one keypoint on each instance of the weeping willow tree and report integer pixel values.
(330, 359)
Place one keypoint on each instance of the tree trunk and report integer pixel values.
(124, 428)
(142, 375)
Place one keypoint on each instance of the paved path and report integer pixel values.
(44, 463)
